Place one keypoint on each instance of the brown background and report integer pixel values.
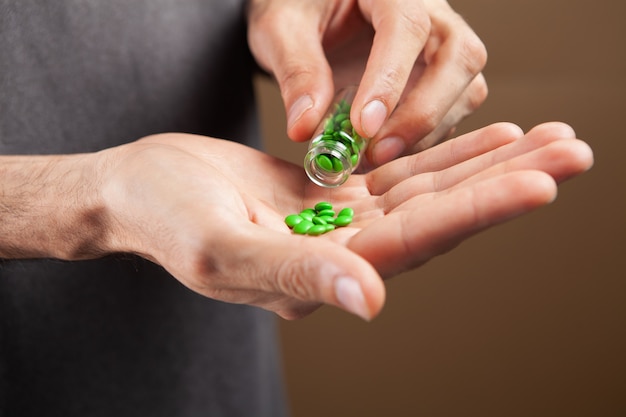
(528, 318)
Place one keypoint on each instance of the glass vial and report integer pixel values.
(336, 149)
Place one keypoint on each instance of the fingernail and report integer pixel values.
(298, 108)
(373, 116)
(348, 292)
(387, 150)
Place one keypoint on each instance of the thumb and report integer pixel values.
(312, 270)
(286, 41)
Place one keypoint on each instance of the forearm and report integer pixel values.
(49, 207)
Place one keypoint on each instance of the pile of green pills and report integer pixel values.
(338, 132)
(319, 219)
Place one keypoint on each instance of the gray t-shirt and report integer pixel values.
(118, 336)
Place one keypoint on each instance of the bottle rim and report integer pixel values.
(321, 176)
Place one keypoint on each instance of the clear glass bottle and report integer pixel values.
(336, 149)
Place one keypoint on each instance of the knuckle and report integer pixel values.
(416, 22)
(292, 73)
(478, 92)
(473, 53)
(427, 120)
(293, 278)
(390, 78)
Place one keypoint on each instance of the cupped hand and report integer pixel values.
(418, 64)
(212, 212)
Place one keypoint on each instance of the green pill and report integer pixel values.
(343, 221)
(319, 220)
(316, 230)
(327, 219)
(307, 215)
(303, 227)
(329, 126)
(324, 162)
(337, 165)
(293, 219)
(323, 205)
(326, 212)
(346, 212)
(340, 118)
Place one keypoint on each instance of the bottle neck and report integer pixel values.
(328, 163)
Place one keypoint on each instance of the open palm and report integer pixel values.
(211, 212)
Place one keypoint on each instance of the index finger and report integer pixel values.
(442, 156)
(401, 30)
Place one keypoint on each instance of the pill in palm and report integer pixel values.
(323, 205)
(342, 221)
(293, 219)
(320, 219)
(302, 227)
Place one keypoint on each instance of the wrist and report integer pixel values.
(50, 207)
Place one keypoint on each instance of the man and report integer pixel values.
(100, 228)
